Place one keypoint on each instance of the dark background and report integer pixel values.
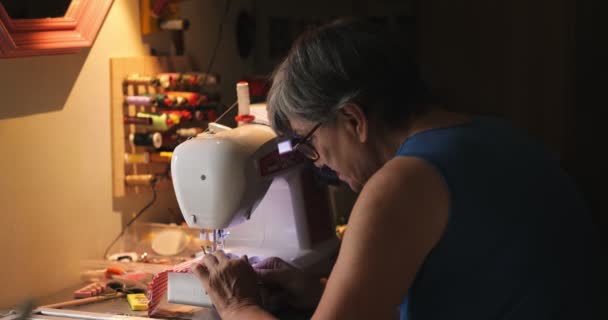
(539, 63)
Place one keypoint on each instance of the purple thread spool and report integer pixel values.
(139, 100)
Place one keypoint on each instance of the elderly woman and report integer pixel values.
(458, 217)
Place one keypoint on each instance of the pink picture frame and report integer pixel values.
(68, 34)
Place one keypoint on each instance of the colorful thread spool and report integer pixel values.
(137, 158)
(139, 179)
(181, 114)
(159, 100)
(140, 80)
(146, 121)
(163, 101)
(174, 24)
(164, 157)
(188, 132)
(146, 139)
(160, 122)
(192, 98)
(191, 80)
(199, 77)
(167, 80)
(139, 100)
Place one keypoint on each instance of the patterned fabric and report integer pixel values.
(158, 287)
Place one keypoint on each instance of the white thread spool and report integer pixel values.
(242, 96)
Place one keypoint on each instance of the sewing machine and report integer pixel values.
(256, 200)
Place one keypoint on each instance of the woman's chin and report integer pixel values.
(354, 186)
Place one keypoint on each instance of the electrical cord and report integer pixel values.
(148, 205)
(217, 44)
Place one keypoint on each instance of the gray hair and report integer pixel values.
(346, 61)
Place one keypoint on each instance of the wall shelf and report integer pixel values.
(120, 68)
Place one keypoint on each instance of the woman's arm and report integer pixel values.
(399, 217)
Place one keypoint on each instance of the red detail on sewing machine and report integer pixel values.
(246, 118)
(275, 162)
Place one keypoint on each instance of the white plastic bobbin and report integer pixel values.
(242, 95)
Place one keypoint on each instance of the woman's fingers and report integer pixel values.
(221, 256)
(229, 283)
(210, 261)
(271, 270)
(201, 272)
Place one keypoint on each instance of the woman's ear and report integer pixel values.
(355, 121)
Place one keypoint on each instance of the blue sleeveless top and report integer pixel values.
(518, 240)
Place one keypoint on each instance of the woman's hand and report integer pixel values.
(286, 284)
(230, 283)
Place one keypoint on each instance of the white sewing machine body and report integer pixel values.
(270, 203)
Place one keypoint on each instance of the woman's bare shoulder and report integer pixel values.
(398, 218)
(402, 178)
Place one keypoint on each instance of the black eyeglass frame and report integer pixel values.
(305, 141)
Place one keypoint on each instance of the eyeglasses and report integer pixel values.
(304, 146)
